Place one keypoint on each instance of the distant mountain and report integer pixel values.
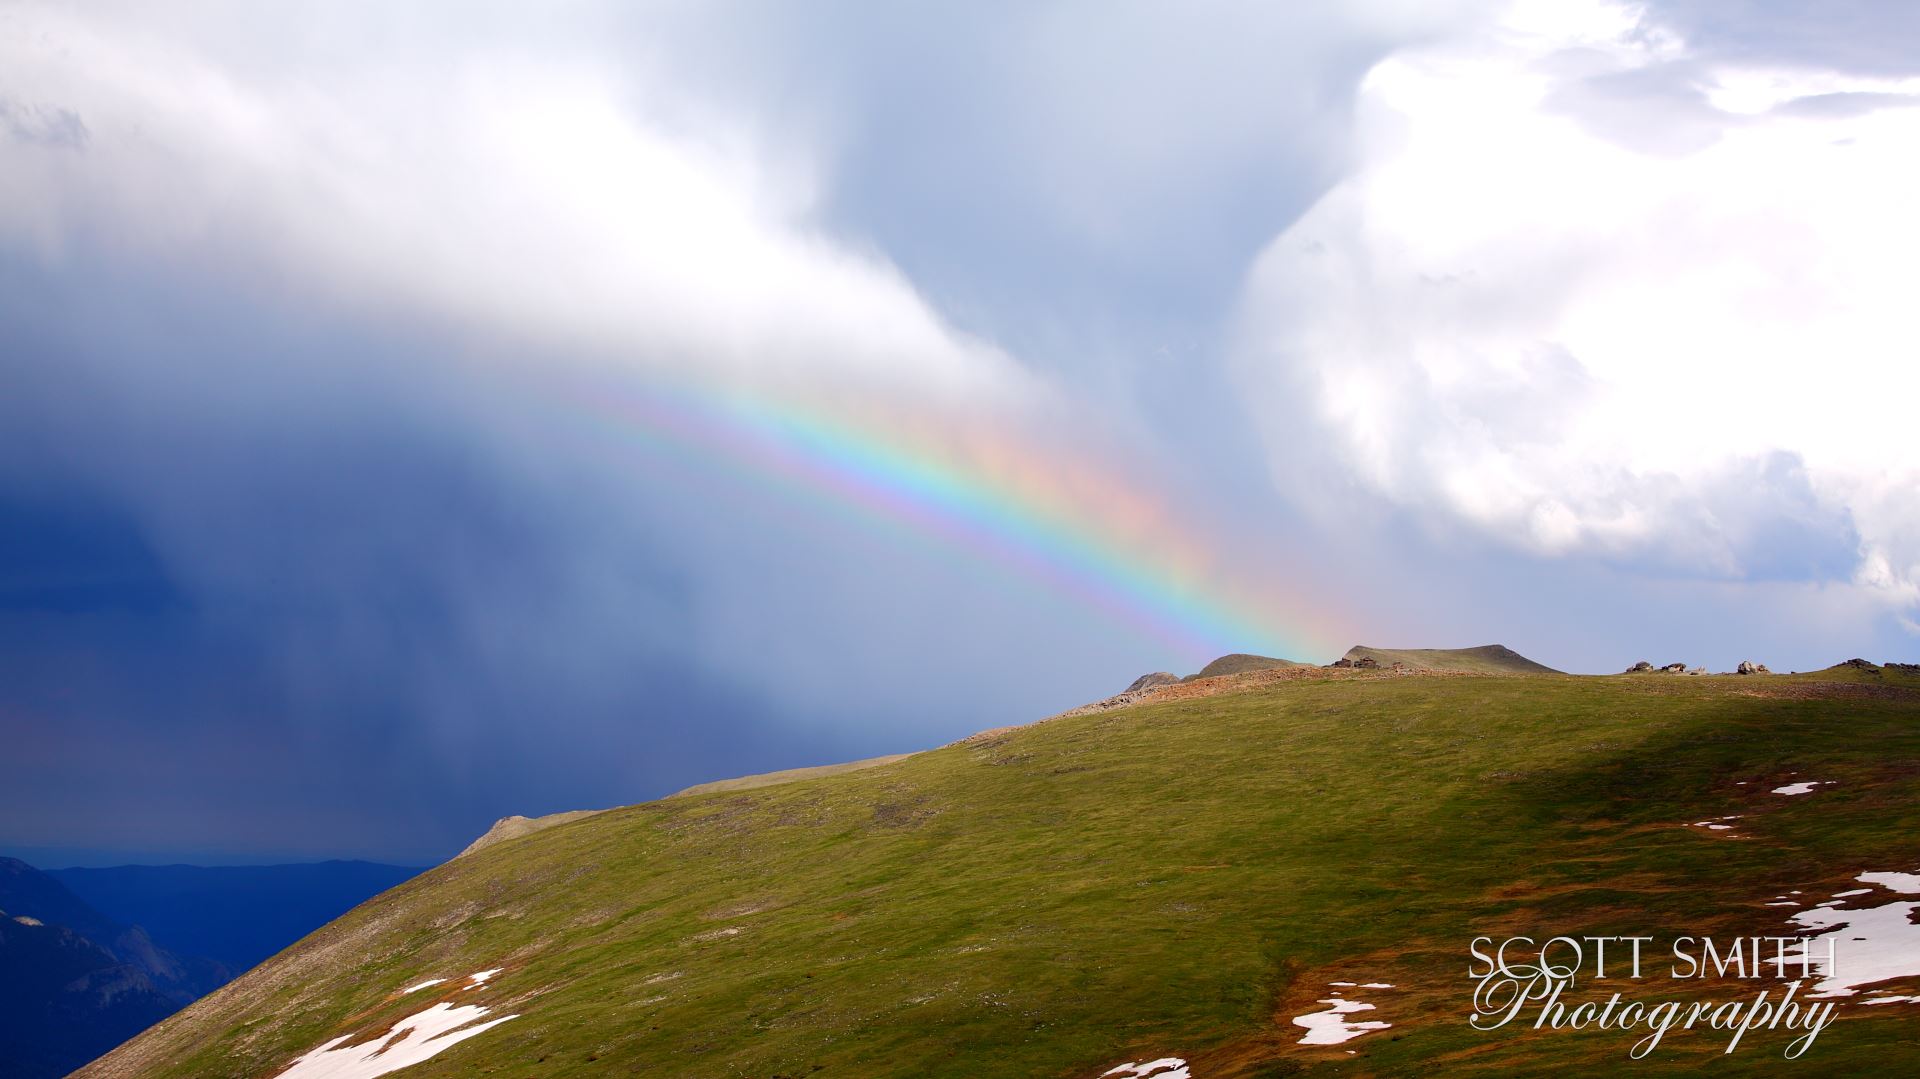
(65, 1000)
(80, 968)
(74, 983)
(181, 976)
(1485, 659)
(36, 893)
(238, 915)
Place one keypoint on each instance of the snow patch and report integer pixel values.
(428, 984)
(413, 1039)
(1908, 883)
(1868, 945)
(1331, 1027)
(1164, 1068)
(479, 978)
(1803, 788)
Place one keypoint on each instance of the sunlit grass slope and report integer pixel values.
(1170, 879)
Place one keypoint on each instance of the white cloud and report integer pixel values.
(1592, 294)
(554, 194)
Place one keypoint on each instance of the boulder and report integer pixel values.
(1748, 666)
(1641, 667)
(1366, 663)
(1341, 662)
(1859, 664)
(1153, 681)
(1674, 668)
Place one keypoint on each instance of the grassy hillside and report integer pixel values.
(1171, 879)
(790, 775)
(1486, 659)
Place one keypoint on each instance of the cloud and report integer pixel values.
(320, 347)
(1859, 37)
(43, 125)
(550, 197)
(1591, 292)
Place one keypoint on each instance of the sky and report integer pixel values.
(414, 417)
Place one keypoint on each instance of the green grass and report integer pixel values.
(1171, 879)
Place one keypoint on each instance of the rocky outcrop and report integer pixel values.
(1641, 667)
(516, 826)
(1674, 668)
(1153, 681)
(1859, 665)
(1748, 666)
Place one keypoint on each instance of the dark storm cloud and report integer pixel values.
(255, 603)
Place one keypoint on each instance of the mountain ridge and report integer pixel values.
(236, 915)
(73, 982)
(1174, 878)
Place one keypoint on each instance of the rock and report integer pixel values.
(1341, 662)
(1748, 666)
(516, 826)
(1674, 668)
(1153, 681)
(1698, 670)
(1909, 668)
(1366, 663)
(1640, 668)
(1859, 664)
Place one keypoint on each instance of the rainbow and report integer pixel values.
(1076, 529)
